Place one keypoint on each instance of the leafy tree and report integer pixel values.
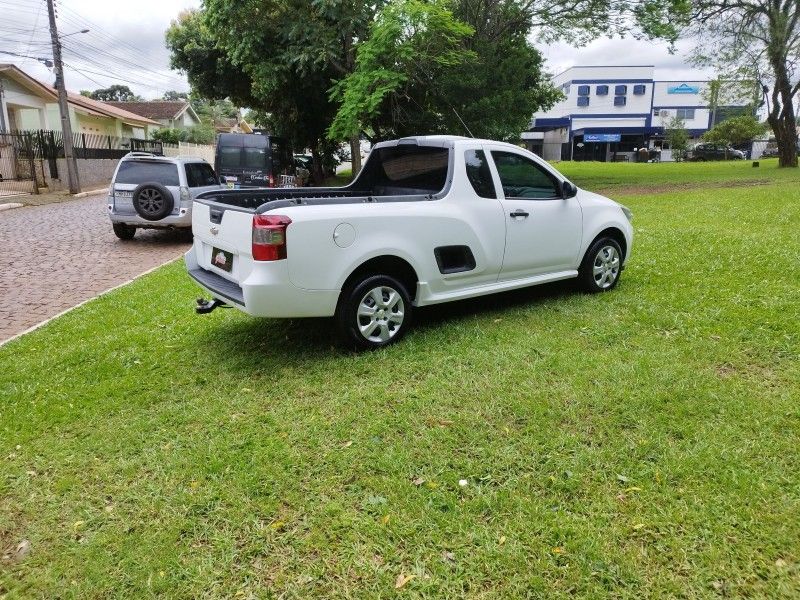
(736, 131)
(115, 93)
(409, 45)
(201, 134)
(293, 50)
(507, 72)
(677, 136)
(173, 96)
(170, 136)
(86, 93)
(212, 74)
(756, 40)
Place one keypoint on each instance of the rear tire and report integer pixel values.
(124, 232)
(373, 312)
(601, 266)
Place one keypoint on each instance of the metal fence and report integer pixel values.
(21, 172)
(29, 158)
(203, 151)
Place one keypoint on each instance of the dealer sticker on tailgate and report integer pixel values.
(222, 259)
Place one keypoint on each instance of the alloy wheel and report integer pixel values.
(380, 314)
(151, 201)
(606, 267)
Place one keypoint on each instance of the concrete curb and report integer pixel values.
(10, 205)
(90, 192)
(103, 293)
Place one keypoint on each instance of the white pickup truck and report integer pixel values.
(427, 220)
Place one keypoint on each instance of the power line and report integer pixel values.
(83, 72)
(113, 73)
(115, 59)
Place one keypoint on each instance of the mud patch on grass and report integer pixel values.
(644, 190)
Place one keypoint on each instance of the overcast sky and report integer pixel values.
(125, 45)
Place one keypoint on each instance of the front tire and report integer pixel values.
(124, 232)
(374, 312)
(601, 266)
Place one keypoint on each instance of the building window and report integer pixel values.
(620, 90)
(687, 114)
(583, 100)
(620, 100)
(583, 90)
(638, 90)
(602, 90)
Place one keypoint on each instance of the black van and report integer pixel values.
(253, 160)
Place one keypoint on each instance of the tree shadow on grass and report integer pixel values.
(263, 343)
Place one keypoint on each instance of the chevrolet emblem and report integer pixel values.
(214, 230)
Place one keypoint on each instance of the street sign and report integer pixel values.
(683, 88)
(602, 137)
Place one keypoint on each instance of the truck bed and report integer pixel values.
(260, 200)
(398, 173)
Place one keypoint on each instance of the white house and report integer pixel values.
(608, 111)
(172, 114)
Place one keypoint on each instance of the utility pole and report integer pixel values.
(2, 108)
(63, 106)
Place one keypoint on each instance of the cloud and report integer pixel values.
(561, 56)
(124, 45)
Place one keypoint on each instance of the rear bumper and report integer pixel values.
(265, 292)
(127, 215)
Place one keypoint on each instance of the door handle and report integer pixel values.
(519, 213)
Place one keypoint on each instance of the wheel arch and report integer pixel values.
(386, 264)
(616, 234)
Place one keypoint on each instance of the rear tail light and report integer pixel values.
(269, 237)
(271, 180)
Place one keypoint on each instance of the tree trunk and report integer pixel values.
(781, 118)
(786, 136)
(355, 154)
(317, 174)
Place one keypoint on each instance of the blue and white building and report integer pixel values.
(609, 111)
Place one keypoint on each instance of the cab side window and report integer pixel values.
(479, 174)
(523, 178)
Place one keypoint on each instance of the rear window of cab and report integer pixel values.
(141, 171)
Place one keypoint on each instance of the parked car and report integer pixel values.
(427, 220)
(156, 192)
(703, 152)
(254, 160)
(770, 152)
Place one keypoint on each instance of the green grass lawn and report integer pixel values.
(642, 443)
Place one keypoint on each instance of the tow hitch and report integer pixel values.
(206, 306)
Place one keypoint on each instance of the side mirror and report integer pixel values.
(568, 189)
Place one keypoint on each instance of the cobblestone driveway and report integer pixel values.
(58, 255)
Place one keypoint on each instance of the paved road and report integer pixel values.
(58, 255)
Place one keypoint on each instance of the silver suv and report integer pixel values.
(154, 192)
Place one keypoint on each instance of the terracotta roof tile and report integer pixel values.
(156, 109)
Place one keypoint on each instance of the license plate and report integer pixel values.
(125, 195)
(222, 259)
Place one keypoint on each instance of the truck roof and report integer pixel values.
(439, 141)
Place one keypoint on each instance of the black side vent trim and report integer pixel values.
(454, 259)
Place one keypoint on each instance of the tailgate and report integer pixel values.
(223, 239)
